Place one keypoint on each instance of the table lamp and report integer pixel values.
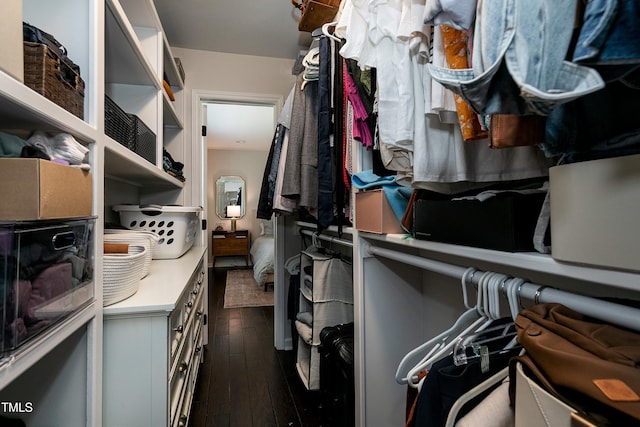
(233, 211)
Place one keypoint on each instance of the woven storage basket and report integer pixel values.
(118, 124)
(47, 74)
(144, 140)
(122, 274)
(129, 130)
(176, 226)
(138, 238)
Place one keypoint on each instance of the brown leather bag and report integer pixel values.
(315, 13)
(508, 130)
(583, 356)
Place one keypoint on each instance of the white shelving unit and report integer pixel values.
(173, 297)
(122, 52)
(59, 373)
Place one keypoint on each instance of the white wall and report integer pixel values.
(250, 166)
(238, 74)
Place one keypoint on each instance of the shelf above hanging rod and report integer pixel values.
(610, 312)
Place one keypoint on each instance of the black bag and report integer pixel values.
(34, 34)
(337, 386)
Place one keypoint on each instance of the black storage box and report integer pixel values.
(129, 131)
(505, 222)
(337, 386)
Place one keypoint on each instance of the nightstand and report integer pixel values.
(230, 243)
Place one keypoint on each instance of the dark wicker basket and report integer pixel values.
(144, 139)
(49, 75)
(129, 130)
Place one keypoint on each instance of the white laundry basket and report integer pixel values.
(176, 226)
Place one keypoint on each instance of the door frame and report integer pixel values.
(282, 335)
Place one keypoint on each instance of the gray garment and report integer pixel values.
(493, 411)
(285, 115)
(519, 62)
(309, 154)
(291, 174)
(300, 179)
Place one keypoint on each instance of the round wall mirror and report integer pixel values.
(230, 197)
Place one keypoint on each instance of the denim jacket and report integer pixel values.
(519, 64)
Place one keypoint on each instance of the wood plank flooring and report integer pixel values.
(244, 381)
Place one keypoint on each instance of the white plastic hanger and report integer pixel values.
(443, 344)
(439, 341)
(488, 310)
(325, 31)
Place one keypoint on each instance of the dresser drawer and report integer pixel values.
(182, 415)
(179, 379)
(181, 318)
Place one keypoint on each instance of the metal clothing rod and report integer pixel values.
(610, 312)
(327, 238)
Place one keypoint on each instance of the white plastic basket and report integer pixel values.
(176, 226)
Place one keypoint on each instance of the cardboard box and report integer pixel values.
(33, 189)
(11, 55)
(374, 214)
(505, 222)
(595, 207)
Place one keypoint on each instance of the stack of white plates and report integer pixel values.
(122, 274)
(144, 238)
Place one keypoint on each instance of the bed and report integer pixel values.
(262, 250)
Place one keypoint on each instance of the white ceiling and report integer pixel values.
(246, 27)
(240, 127)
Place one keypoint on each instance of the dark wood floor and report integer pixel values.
(244, 381)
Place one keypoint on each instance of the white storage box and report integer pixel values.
(176, 226)
(595, 206)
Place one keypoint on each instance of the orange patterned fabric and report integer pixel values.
(455, 49)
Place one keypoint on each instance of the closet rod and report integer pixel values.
(327, 238)
(610, 312)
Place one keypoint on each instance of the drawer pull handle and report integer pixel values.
(198, 349)
(189, 304)
(195, 292)
(199, 313)
(63, 240)
(179, 329)
(183, 421)
(183, 366)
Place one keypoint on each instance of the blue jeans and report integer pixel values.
(609, 38)
(518, 60)
(605, 121)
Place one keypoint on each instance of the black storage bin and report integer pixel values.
(337, 384)
(144, 140)
(129, 130)
(118, 124)
(505, 222)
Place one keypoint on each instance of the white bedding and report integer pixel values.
(262, 256)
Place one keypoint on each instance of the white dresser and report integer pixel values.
(153, 345)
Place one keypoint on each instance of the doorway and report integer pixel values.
(240, 149)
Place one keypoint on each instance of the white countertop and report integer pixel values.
(160, 290)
